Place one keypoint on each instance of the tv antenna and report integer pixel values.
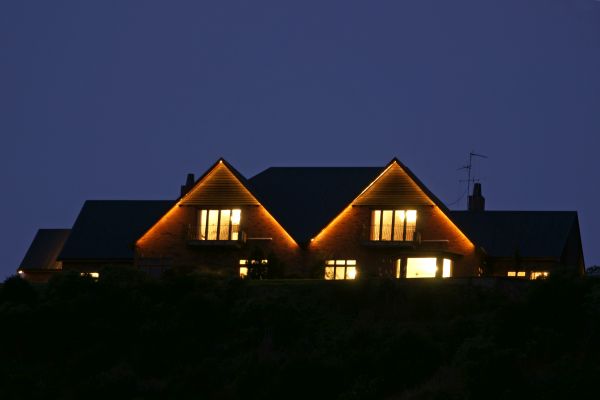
(469, 168)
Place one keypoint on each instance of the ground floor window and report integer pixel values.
(533, 275)
(340, 269)
(423, 267)
(253, 268)
(538, 275)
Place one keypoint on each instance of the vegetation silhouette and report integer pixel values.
(187, 335)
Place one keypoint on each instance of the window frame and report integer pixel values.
(376, 233)
(204, 225)
(341, 264)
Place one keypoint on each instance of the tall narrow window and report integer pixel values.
(411, 224)
(446, 268)
(219, 224)
(213, 225)
(399, 216)
(375, 224)
(393, 225)
(235, 224)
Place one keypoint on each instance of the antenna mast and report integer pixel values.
(469, 167)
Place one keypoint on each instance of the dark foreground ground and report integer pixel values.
(186, 336)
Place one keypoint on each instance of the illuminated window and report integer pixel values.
(396, 225)
(421, 267)
(446, 268)
(253, 268)
(424, 267)
(94, 275)
(340, 269)
(219, 224)
(539, 275)
(516, 274)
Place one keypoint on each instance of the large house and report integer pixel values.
(310, 222)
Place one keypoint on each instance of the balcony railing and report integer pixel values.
(389, 233)
(215, 235)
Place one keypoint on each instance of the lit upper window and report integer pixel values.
(219, 224)
(340, 269)
(396, 225)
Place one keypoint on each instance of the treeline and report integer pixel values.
(188, 336)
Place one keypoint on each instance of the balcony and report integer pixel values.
(214, 236)
(408, 238)
(386, 236)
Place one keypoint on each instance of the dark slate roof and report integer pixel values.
(44, 249)
(532, 233)
(305, 199)
(108, 229)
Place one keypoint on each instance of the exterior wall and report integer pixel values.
(167, 241)
(347, 238)
(499, 266)
(166, 245)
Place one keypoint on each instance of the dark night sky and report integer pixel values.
(120, 99)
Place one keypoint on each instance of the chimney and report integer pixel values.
(189, 182)
(476, 200)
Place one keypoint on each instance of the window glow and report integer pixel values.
(375, 222)
(411, 224)
(350, 272)
(236, 217)
(386, 225)
(521, 273)
(329, 273)
(243, 272)
(202, 233)
(219, 224)
(397, 225)
(94, 275)
(340, 269)
(446, 268)
(539, 275)
(213, 225)
(421, 267)
(511, 273)
(399, 217)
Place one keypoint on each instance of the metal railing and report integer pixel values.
(389, 233)
(215, 233)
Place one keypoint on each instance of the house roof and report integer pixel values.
(305, 199)
(108, 229)
(44, 249)
(531, 233)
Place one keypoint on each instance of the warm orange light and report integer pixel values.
(332, 223)
(539, 275)
(236, 213)
(456, 228)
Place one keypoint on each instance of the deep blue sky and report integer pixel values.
(120, 99)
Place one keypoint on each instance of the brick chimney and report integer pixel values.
(189, 182)
(476, 200)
